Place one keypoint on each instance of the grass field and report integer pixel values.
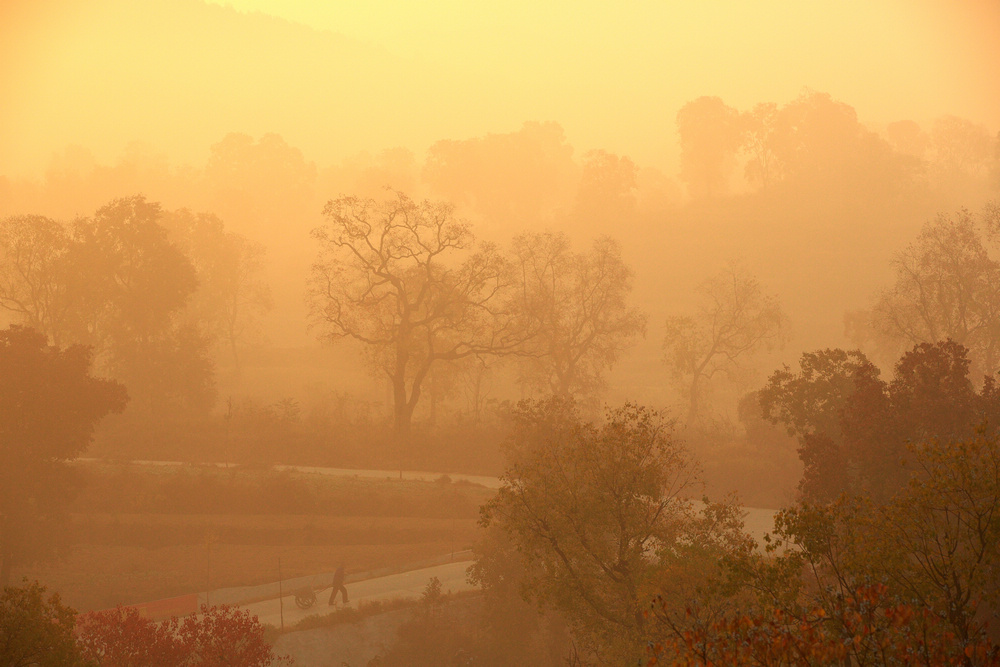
(213, 530)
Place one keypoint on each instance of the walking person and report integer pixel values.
(338, 586)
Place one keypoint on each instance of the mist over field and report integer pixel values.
(517, 326)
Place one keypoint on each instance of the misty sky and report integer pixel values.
(335, 78)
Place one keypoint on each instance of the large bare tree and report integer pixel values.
(404, 279)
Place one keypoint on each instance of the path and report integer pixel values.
(403, 586)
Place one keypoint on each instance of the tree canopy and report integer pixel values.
(602, 518)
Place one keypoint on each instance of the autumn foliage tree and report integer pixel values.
(600, 516)
(861, 629)
(215, 637)
(906, 580)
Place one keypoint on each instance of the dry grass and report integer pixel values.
(98, 576)
(123, 552)
(95, 576)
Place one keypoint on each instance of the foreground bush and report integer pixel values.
(217, 636)
(865, 628)
(35, 630)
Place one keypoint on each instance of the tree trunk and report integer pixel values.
(693, 407)
(402, 412)
(6, 560)
(237, 369)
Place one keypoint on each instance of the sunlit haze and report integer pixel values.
(532, 332)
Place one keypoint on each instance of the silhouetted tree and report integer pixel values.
(503, 177)
(607, 192)
(131, 304)
(736, 319)
(49, 406)
(710, 137)
(853, 427)
(757, 128)
(820, 147)
(947, 286)
(232, 294)
(810, 404)
(34, 281)
(259, 184)
(963, 151)
(389, 277)
(576, 306)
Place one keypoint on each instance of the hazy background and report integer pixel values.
(335, 78)
(110, 98)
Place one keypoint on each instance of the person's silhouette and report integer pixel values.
(338, 586)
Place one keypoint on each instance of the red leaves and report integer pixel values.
(859, 628)
(217, 636)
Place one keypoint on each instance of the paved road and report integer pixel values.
(405, 586)
(415, 475)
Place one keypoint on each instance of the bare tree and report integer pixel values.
(388, 276)
(233, 294)
(709, 134)
(736, 319)
(947, 286)
(33, 276)
(576, 305)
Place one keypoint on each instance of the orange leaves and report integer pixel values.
(217, 636)
(860, 629)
